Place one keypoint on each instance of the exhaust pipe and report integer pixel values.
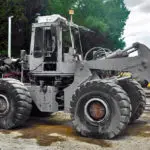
(9, 36)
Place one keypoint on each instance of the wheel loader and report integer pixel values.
(57, 76)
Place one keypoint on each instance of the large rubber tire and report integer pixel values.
(16, 98)
(137, 97)
(117, 102)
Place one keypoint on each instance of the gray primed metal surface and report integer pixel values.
(62, 67)
(81, 70)
(44, 99)
(139, 65)
(82, 75)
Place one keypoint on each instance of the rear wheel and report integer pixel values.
(15, 103)
(137, 97)
(100, 108)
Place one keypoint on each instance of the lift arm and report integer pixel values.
(139, 65)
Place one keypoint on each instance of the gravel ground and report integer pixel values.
(56, 133)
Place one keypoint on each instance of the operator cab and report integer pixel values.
(54, 43)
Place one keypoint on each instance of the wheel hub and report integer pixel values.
(96, 110)
(4, 105)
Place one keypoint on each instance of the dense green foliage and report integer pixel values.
(106, 17)
(9, 8)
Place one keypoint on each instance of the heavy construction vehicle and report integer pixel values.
(56, 75)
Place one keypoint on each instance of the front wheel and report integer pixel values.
(15, 103)
(100, 108)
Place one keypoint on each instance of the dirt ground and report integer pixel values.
(56, 133)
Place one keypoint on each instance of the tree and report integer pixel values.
(9, 8)
(116, 16)
(24, 12)
(108, 17)
(3, 26)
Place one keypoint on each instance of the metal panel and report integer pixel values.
(138, 66)
(44, 100)
(34, 63)
(82, 75)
